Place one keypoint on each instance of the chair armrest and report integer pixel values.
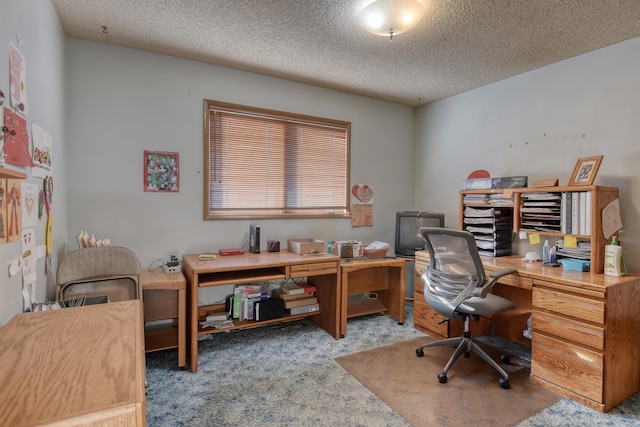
(502, 272)
(493, 276)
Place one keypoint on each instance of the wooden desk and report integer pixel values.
(321, 270)
(384, 276)
(74, 366)
(165, 297)
(586, 329)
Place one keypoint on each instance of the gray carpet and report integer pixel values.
(287, 376)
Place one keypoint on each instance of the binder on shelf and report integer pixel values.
(582, 196)
(272, 308)
(566, 196)
(575, 212)
(587, 214)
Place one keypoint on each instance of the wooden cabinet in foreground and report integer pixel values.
(80, 366)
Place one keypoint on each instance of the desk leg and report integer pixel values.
(343, 292)
(182, 328)
(192, 298)
(397, 287)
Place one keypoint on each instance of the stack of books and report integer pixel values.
(244, 299)
(299, 298)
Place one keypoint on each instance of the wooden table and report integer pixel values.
(165, 297)
(320, 270)
(74, 366)
(383, 278)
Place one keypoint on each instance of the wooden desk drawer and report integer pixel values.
(569, 366)
(568, 330)
(314, 269)
(160, 304)
(570, 305)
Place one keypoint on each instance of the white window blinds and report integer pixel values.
(263, 163)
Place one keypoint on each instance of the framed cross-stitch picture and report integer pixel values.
(161, 171)
(585, 170)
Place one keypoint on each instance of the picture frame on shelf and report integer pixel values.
(585, 171)
(161, 171)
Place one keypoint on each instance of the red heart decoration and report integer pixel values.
(363, 194)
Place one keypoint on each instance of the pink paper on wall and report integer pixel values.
(18, 80)
(16, 140)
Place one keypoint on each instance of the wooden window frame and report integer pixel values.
(284, 122)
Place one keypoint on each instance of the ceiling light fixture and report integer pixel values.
(391, 17)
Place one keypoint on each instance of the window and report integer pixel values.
(269, 164)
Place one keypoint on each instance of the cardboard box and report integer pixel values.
(347, 248)
(351, 250)
(306, 246)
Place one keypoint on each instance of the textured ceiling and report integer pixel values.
(460, 45)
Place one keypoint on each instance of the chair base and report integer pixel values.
(465, 345)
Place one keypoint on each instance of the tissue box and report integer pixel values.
(575, 264)
(305, 246)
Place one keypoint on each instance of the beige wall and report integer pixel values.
(538, 124)
(123, 101)
(34, 29)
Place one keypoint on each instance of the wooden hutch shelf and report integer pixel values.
(11, 174)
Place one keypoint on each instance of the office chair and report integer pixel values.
(111, 271)
(455, 286)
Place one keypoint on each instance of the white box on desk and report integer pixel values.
(304, 309)
(306, 246)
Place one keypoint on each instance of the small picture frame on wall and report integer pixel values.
(161, 171)
(585, 171)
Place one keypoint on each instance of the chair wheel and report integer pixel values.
(504, 383)
(467, 354)
(442, 377)
(419, 352)
(505, 359)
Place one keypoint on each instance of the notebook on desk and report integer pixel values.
(231, 251)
